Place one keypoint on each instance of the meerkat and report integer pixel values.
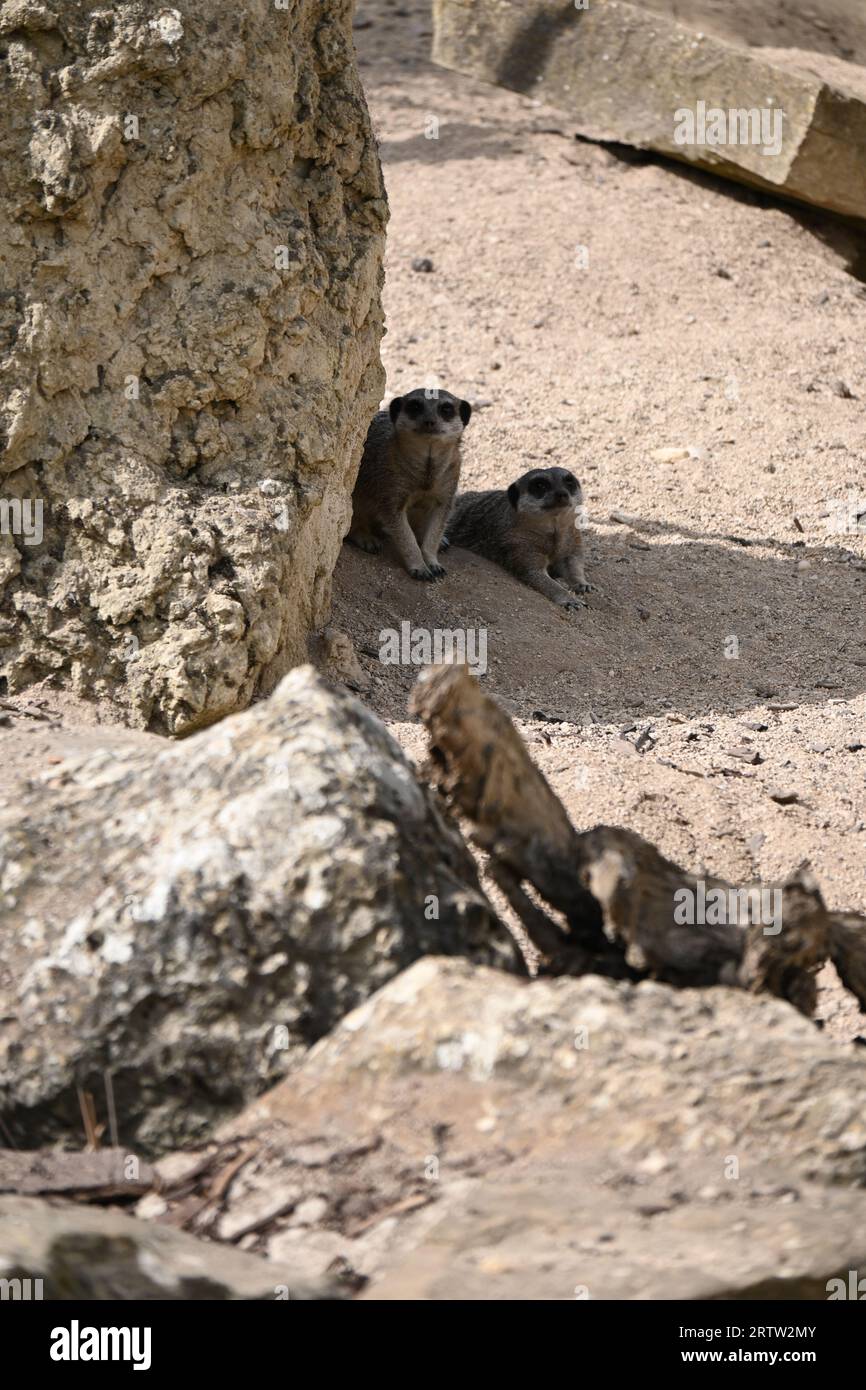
(408, 477)
(532, 529)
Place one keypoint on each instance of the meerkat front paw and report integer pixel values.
(583, 586)
(572, 603)
(444, 543)
(423, 574)
(436, 569)
(366, 543)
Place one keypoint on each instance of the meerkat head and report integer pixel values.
(431, 414)
(545, 490)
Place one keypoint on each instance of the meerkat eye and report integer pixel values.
(570, 483)
(539, 486)
(446, 410)
(414, 409)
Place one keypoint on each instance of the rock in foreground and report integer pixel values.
(466, 1134)
(82, 1253)
(189, 917)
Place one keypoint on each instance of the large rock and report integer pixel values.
(625, 73)
(189, 918)
(80, 1253)
(468, 1134)
(565, 1234)
(192, 220)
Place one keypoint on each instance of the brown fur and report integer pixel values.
(532, 530)
(408, 477)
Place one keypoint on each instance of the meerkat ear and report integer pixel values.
(395, 407)
(465, 412)
(513, 494)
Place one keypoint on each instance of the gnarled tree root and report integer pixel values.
(629, 911)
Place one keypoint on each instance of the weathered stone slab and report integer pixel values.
(558, 1237)
(467, 1134)
(638, 77)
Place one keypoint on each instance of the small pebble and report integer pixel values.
(669, 455)
(743, 755)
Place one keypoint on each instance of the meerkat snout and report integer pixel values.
(545, 490)
(430, 412)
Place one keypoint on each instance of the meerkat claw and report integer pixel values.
(366, 543)
(424, 574)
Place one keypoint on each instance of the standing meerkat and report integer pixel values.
(408, 477)
(532, 529)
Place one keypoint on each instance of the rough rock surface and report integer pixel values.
(88, 1254)
(189, 918)
(192, 222)
(549, 1237)
(651, 1128)
(624, 73)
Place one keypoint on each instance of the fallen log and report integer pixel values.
(628, 910)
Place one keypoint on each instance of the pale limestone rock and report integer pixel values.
(192, 219)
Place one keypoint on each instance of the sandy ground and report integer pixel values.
(834, 27)
(708, 317)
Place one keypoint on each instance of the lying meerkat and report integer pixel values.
(532, 529)
(408, 477)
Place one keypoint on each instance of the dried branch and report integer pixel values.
(623, 901)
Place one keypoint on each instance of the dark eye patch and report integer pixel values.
(570, 483)
(414, 408)
(446, 410)
(539, 486)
